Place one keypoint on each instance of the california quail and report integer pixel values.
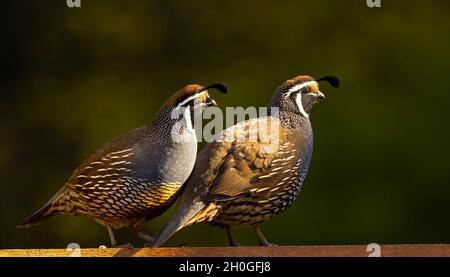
(137, 176)
(248, 181)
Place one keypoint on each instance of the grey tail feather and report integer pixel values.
(178, 221)
(47, 211)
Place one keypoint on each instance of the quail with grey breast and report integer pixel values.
(137, 176)
(250, 173)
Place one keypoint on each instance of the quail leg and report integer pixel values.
(262, 240)
(146, 237)
(114, 241)
(111, 236)
(230, 237)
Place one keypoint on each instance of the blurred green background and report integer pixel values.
(73, 79)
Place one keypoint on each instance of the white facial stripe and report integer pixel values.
(189, 99)
(298, 101)
(299, 87)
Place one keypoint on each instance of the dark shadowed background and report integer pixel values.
(73, 79)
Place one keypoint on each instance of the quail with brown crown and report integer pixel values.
(255, 169)
(137, 176)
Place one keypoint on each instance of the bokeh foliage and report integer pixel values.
(72, 79)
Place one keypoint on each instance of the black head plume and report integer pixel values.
(219, 86)
(332, 80)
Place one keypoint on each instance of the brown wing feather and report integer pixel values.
(228, 169)
(119, 144)
(253, 170)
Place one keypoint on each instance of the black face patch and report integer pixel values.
(305, 90)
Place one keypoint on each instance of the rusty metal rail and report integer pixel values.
(402, 250)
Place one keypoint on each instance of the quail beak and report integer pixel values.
(320, 95)
(211, 102)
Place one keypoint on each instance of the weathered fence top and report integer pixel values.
(401, 250)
